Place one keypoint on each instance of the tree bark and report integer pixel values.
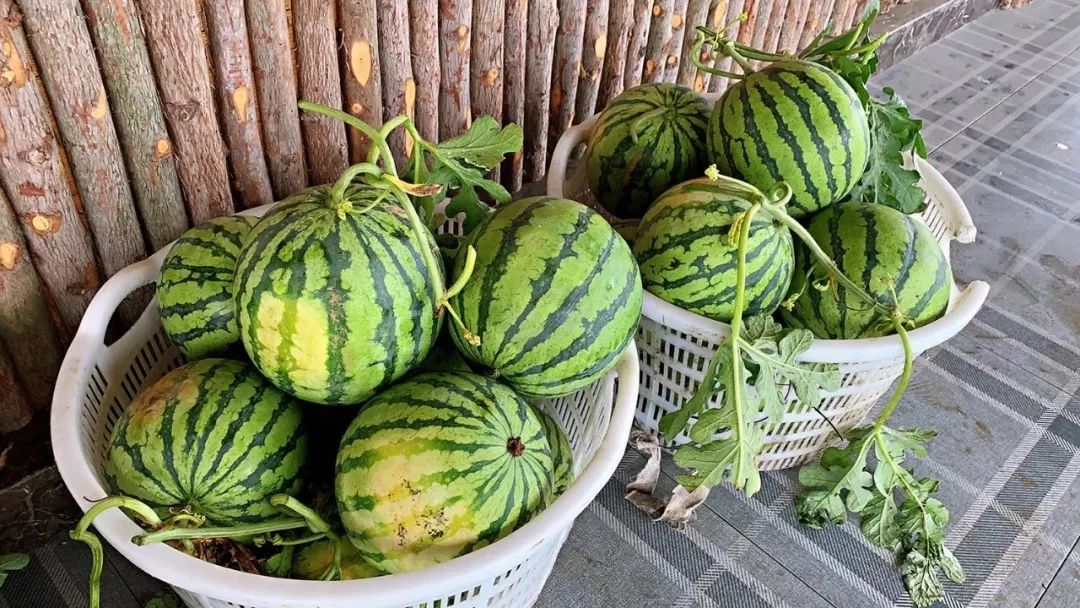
(817, 15)
(777, 23)
(697, 13)
(843, 15)
(320, 82)
(174, 35)
(517, 20)
(658, 41)
(140, 121)
(593, 48)
(65, 59)
(363, 84)
(424, 32)
(455, 43)
(620, 30)
(15, 410)
(731, 12)
(794, 19)
(25, 323)
(675, 45)
(34, 179)
(567, 66)
(487, 58)
(399, 87)
(237, 103)
(275, 80)
(635, 51)
(543, 20)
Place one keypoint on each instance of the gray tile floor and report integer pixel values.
(1001, 101)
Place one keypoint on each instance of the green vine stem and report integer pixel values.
(379, 146)
(83, 534)
(242, 531)
(905, 375)
(316, 524)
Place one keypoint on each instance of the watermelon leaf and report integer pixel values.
(846, 480)
(12, 562)
(280, 563)
(887, 180)
(484, 145)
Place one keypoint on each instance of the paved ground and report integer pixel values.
(1002, 105)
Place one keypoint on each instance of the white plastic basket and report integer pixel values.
(676, 345)
(97, 382)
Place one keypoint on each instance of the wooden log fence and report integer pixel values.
(123, 122)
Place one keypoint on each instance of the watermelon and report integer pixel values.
(195, 287)
(555, 296)
(686, 258)
(796, 122)
(335, 301)
(212, 436)
(880, 249)
(561, 454)
(315, 562)
(437, 466)
(648, 139)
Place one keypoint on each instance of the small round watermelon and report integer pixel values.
(315, 562)
(212, 436)
(195, 287)
(885, 252)
(686, 258)
(796, 122)
(648, 139)
(335, 301)
(437, 466)
(555, 296)
(561, 454)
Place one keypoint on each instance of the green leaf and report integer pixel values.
(879, 521)
(12, 562)
(841, 474)
(168, 600)
(950, 566)
(485, 144)
(760, 327)
(734, 456)
(892, 133)
(921, 580)
(673, 423)
(280, 564)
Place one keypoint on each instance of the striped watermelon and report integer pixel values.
(335, 303)
(686, 259)
(315, 562)
(797, 122)
(195, 287)
(877, 247)
(555, 296)
(561, 454)
(648, 139)
(212, 436)
(440, 465)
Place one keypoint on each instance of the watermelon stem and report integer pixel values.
(379, 148)
(82, 533)
(707, 37)
(905, 376)
(463, 278)
(246, 530)
(314, 522)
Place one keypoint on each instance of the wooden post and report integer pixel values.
(845, 15)
(455, 43)
(424, 32)
(136, 111)
(731, 11)
(593, 49)
(697, 13)
(25, 323)
(675, 44)
(174, 35)
(794, 19)
(543, 19)
(817, 15)
(237, 103)
(567, 67)
(487, 58)
(398, 85)
(755, 28)
(635, 50)
(363, 84)
(320, 81)
(34, 179)
(777, 22)
(275, 80)
(65, 58)
(15, 410)
(517, 26)
(620, 29)
(658, 41)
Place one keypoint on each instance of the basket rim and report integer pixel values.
(963, 306)
(220, 583)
